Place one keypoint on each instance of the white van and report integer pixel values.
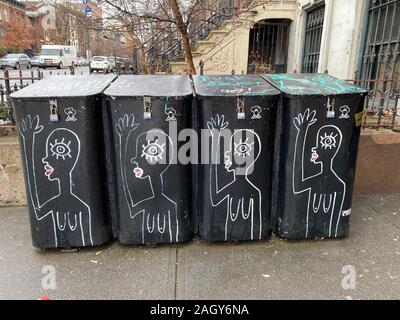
(58, 56)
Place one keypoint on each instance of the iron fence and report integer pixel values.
(10, 84)
(382, 105)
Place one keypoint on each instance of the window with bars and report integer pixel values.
(382, 51)
(380, 73)
(268, 49)
(313, 36)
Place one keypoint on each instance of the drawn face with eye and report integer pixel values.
(329, 140)
(244, 151)
(62, 152)
(153, 154)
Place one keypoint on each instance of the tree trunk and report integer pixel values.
(184, 34)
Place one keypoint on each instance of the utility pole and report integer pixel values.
(89, 13)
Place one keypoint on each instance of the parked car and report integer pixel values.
(82, 61)
(16, 61)
(100, 63)
(113, 61)
(35, 61)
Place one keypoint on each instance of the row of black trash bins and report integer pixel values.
(161, 159)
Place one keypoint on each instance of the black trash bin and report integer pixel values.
(236, 121)
(150, 186)
(59, 121)
(321, 121)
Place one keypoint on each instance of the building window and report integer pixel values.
(382, 51)
(313, 36)
(268, 47)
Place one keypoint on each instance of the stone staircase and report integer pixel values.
(214, 49)
(165, 50)
(225, 49)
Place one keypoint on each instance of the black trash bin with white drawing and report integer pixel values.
(236, 121)
(321, 120)
(150, 185)
(59, 124)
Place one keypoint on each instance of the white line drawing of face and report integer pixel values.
(171, 113)
(243, 201)
(324, 196)
(61, 157)
(256, 110)
(329, 140)
(71, 113)
(151, 152)
(243, 152)
(148, 156)
(62, 145)
(345, 110)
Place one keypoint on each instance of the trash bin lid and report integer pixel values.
(312, 84)
(228, 85)
(150, 86)
(66, 86)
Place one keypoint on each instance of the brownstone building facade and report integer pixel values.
(15, 27)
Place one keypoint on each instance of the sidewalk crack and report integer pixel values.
(386, 218)
(176, 274)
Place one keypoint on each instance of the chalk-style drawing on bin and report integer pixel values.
(171, 113)
(147, 156)
(241, 197)
(326, 190)
(256, 110)
(345, 110)
(71, 113)
(61, 157)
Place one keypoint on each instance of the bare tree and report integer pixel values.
(158, 22)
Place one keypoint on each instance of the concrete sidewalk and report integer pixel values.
(270, 270)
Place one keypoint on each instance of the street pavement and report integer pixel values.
(274, 269)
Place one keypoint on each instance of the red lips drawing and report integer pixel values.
(49, 170)
(314, 156)
(138, 172)
(228, 164)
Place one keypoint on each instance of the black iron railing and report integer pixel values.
(380, 73)
(382, 107)
(12, 83)
(164, 48)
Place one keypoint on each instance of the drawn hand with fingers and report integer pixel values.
(303, 121)
(217, 124)
(326, 190)
(28, 127)
(240, 196)
(126, 125)
(59, 162)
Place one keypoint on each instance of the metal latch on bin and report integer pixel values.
(54, 117)
(147, 108)
(330, 114)
(241, 113)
